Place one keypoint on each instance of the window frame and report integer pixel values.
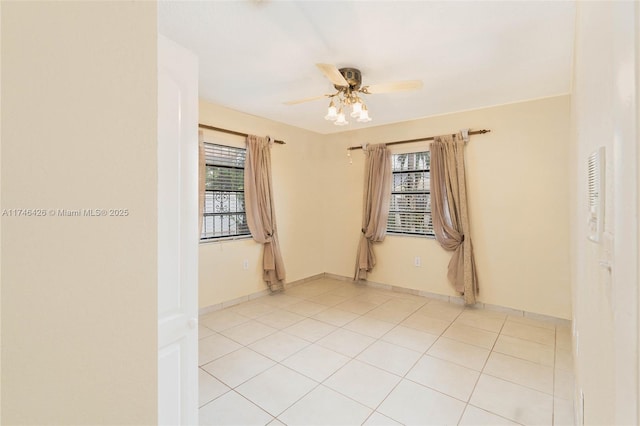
(205, 214)
(426, 191)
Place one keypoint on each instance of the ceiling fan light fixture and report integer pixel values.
(356, 108)
(341, 120)
(364, 115)
(332, 112)
(348, 83)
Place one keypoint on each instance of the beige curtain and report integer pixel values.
(449, 211)
(377, 194)
(261, 215)
(202, 173)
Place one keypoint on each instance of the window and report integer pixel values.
(410, 208)
(224, 211)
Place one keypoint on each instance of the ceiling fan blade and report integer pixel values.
(299, 101)
(394, 87)
(333, 74)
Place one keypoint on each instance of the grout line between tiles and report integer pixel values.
(481, 372)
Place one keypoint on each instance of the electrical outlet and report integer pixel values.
(416, 261)
(245, 264)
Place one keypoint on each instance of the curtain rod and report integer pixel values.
(231, 132)
(430, 138)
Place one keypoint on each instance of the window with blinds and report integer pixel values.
(224, 208)
(410, 208)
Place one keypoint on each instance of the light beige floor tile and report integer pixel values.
(204, 332)
(306, 291)
(223, 319)
(316, 362)
(322, 407)
(377, 419)
(214, 347)
(369, 326)
(530, 321)
(335, 317)
(520, 371)
(441, 310)
(305, 308)
(248, 332)
(410, 338)
(529, 332)
(525, 349)
(279, 299)
(387, 315)
(478, 319)
(280, 319)
(515, 402)
(356, 306)
(395, 309)
(426, 324)
(238, 366)
(392, 358)
(459, 353)
(276, 422)
(474, 416)
(413, 404)
(328, 299)
(443, 376)
(485, 313)
(279, 345)
(330, 283)
(563, 384)
(366, 384)
(276, 389)
(471, 335)
(407, 306)
(373, 296)
(351, 290)
(233, 409)
(310, 329)
(253, 309)
(209, 388)
(346, 342)
(563, 412)
(449, 368)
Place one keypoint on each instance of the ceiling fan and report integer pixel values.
(348, 83)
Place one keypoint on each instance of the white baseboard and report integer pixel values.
(458, 300)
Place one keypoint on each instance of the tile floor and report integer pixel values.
(331, 352)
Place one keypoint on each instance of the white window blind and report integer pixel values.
(410, 208)
(224, 207)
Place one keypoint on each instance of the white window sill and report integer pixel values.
(225, 239)
(429, 237)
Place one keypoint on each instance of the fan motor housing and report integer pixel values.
(353, 77)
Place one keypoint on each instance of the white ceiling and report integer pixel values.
(255, 55)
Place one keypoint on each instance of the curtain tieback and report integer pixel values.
(363, 231)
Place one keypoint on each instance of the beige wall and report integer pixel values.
(299, 209)
(79, 294)
(519, 210)
(518, 184)
(605, 114)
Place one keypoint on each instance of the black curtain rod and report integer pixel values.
(430, 138)
(231, 132)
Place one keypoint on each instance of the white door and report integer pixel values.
(177, 235)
